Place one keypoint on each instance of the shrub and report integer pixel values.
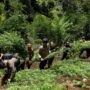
(78, 46)
(18, 23)
(12, 42)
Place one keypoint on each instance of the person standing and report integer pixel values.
(43, 52)
(30, 51)
(52, 47)
(66, 53)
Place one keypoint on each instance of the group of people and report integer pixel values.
(11, 62)
(44, 51)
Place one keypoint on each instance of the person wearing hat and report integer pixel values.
(66, 53)
(43, 52)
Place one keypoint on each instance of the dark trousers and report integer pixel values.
(42, 64)
(1, 65)
(48, 61)
(65, 55)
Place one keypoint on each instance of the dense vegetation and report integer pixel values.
(23, 21)
(60, 20)
(72, 68)
(47, 79)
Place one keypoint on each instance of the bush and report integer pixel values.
(78, 46)
(12, 42)
(18, 23)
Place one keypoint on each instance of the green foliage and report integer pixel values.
(15, 23)
(2, 18)
(1, 72)
(59, 26)
(78, 46)
(41, 2)
(40, 27)
(76, 29)
(73, 68)
(1, 8)
(45, 79)
(60, 20)
(35, 80)
(35, 87)
(76, 12)
(34, 77)
(53, 29)
(17, 6)
(12, 42)
(66, 19)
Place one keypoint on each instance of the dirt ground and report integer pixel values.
(68, 82)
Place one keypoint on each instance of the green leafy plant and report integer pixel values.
(72, 68)
(12, 42)
(78, 46)
(35, 80)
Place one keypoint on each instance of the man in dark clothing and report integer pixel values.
(52, 49)
(43, 52)
(66, 51)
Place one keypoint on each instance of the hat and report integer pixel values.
(45, 40)
(29, 45)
